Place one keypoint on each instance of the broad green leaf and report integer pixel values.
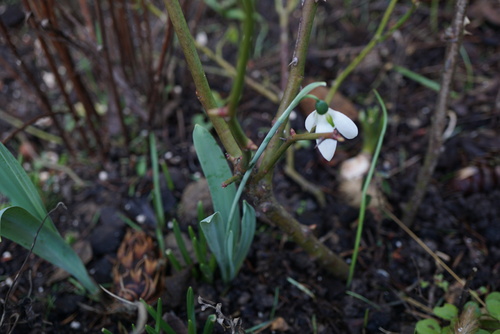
(428, 326)
(446, 312)
(16, 185)
(216, 170)
(493, 296)
(447, 330)
(493, 304)
(20, 226)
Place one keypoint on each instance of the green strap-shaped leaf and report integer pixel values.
(216, 170)
(215, 240)
(230, 246)
(248, 223)
(16, 185)
(20, 226)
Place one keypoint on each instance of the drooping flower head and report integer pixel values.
(326, 120)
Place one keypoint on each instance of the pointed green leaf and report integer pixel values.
(16, 185)
(230, 248)
(247, 233)
(20, 226)
(215, 240)
(190, 310)
(216, 170)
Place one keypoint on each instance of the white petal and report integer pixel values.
(344, 124)
(327, 148)
(311, 120)
(323, 125)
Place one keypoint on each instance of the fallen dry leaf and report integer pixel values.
(279, 324)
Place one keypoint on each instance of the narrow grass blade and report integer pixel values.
(209, 324)
(163, 324)
(364, 197)
(426, 82)
(301, 287)
(173, 260)
(157, 202)
(181, 244)
(190, 311)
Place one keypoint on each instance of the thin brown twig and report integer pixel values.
(52, 64)
(156, 84)
(42, 97)
(45, 11)
(124, 53)
(109, 69)
(454, 36)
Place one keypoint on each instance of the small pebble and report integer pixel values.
(75, 325)
(6, 256)
(103, 176)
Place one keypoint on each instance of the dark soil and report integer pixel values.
(459, 220)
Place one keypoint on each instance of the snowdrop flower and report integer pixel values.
(325, 120)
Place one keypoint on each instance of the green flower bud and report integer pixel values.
(321, 107)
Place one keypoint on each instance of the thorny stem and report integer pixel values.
(454, 35)
(264, 201)
(287, 142)
(284, 13)
(377, 38)
(294, 81)
(202, 87)
(278, 124)
(259, 189)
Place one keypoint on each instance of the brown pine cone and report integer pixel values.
(139, 269)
